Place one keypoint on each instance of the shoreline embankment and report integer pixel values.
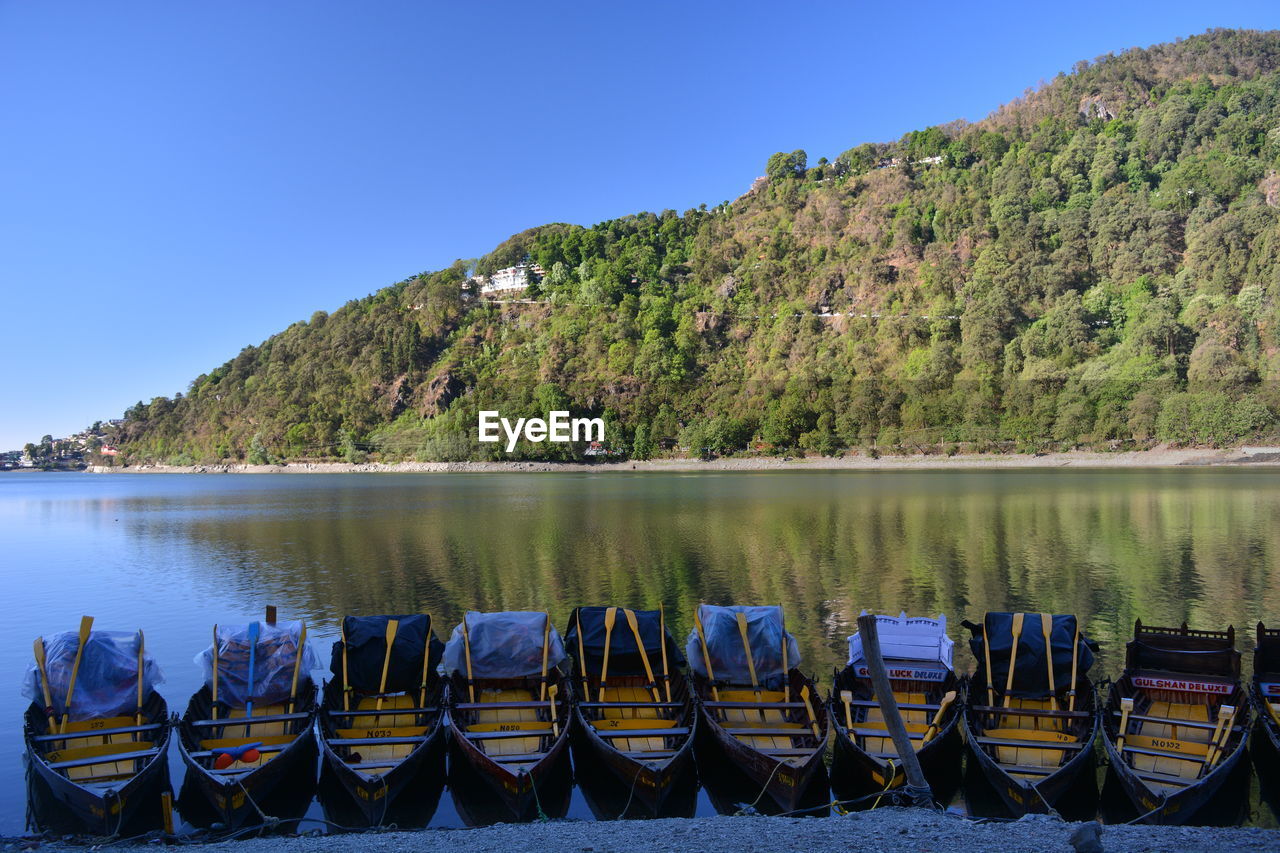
(1158, 457)
(879, 830)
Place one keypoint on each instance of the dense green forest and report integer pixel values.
(1096, 264)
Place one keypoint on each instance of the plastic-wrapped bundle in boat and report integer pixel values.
(503, 645)
(274, 657)
(728, 655)
(107, 681)
(918, 641)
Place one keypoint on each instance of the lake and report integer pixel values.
(173, 554)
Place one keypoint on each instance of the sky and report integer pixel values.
(181, 180)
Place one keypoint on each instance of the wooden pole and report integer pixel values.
(923, 795)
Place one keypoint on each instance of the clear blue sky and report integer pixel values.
(178, 180)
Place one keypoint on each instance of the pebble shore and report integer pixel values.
(882, 830)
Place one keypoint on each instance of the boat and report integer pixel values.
(1030, 719)
(381, 723)
(917, 656)
(1264, 746)
(1175, 727)
(508, 707)
(96, 734)
(764, 729)
(635, 718)
(247, 737)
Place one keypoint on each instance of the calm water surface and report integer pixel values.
(173, 554)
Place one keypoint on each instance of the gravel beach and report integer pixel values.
(884, 829)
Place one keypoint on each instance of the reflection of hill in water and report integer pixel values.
(1111, 546)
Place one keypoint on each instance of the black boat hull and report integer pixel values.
(1219, 799)
(733, 772)
(282, 788)
(59, 805)
(1264, 749)
(406, 796)
(484, 792)
(856, 775)
(1072, 790)
(617, 786)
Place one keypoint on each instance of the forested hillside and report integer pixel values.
(1096, 264)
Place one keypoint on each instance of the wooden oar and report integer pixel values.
(662, 631)
(38, 649)
(1126, 708)
(393, 625)
(846, 696)
(1075, 662)
(582, 658)
(254, 632)
(808, 707)
(552, 692)
(1046, 627)
(86, 625)
(746, 647)
(426, 659)
(947, 699)
(466, 648)
(610, 617)
(986, 651)
(1226, 719)
(297, 665)
(706, 656)
(786, 670)
(213, 714)
(546, 651)
(346, 682)
(644, 656)
(137, 716)
(1013, 656)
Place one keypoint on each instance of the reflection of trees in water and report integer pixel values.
(1110, 547)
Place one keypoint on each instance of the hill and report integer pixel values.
(1095, 264)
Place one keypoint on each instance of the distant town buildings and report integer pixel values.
(511, 281)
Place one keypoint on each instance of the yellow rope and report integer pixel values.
(888, 783)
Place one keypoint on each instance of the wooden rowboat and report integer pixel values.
(247, 737)
(1029, 716)
(381, 723)
(509, 712)
(636, 719)
(96, 736)
(763, 730)
(1175, 728)
(918, 662)
(1265, 744)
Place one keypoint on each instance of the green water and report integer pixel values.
(174, 553)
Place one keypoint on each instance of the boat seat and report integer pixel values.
(1029, 755)
(378, 758)
(1031, 721)
(755, 717)
(263, 729)
(265, 752)
(620, 718)
(1177, 759)
(119, 742)
(100, 761)
(1174, 711)
(875, 714)
(490, 721)
(880, 743)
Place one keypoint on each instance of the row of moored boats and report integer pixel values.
(509, 713)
